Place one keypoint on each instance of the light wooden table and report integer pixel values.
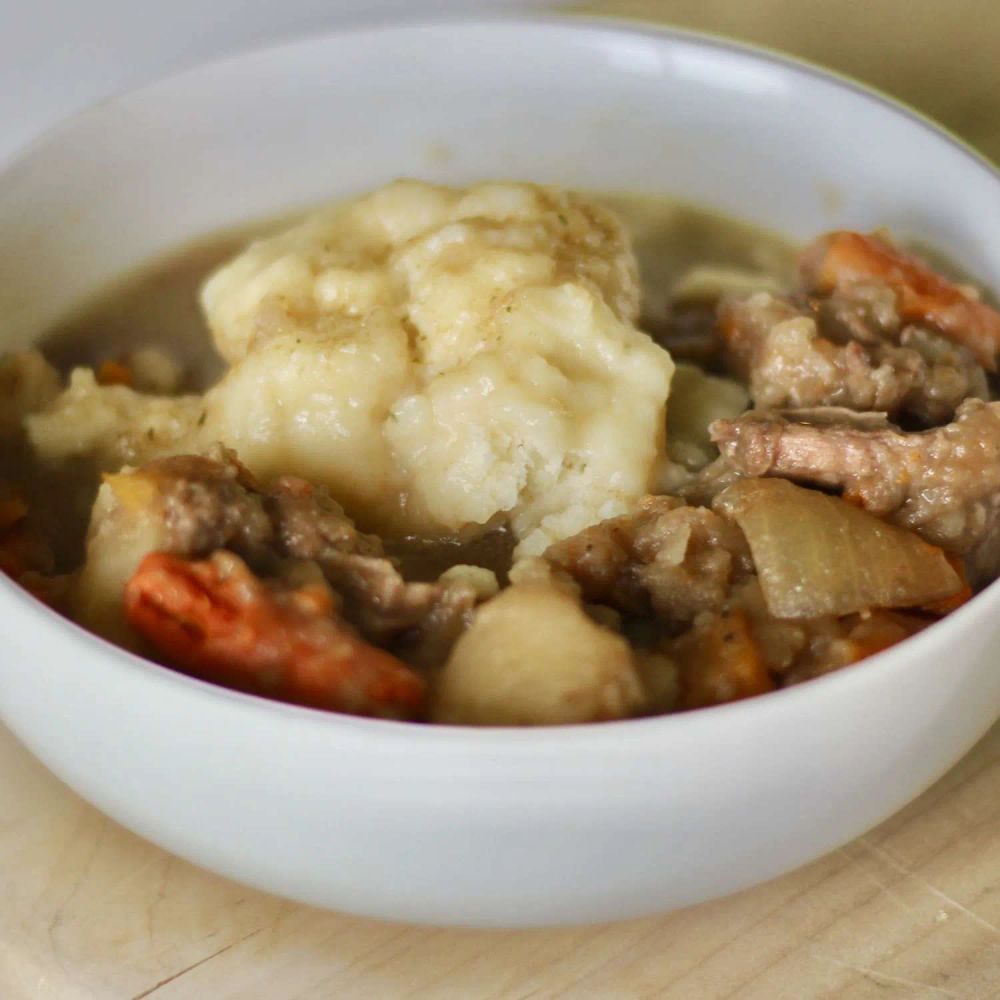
(912, 910)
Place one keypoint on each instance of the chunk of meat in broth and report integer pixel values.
(688, 574)
(871, 328)
(789, 358)
(689, 328)
(668, 558)
(741, 649)
(943, 484)
(310, 525)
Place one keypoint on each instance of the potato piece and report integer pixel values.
(126, 524)
(661, 680)
(532, 657)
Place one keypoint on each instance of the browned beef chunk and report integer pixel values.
(947, 374)
(209, 504)
(944, 484)
(667, 558)
(377, 597)
(310, 524)
(739, 649)
(688, 570)
(789, 358)
(708, 482)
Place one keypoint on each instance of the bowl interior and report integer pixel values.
(592, 104)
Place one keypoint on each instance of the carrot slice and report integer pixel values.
(113, 373)
(840, 259)
(720, 662)
(216, 620)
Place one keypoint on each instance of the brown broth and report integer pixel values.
(153, 305)
(156, 303)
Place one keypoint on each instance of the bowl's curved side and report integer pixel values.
(499, 828)
(486, 827)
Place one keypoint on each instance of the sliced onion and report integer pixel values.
(819, 555)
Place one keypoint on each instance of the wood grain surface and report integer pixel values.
(912, 910)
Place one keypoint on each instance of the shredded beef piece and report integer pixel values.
(428, 641)
(944, 484)
(667, 558)
(310, 524)
(702, 487)
(790, 360)
(376, 597)
(948, 375)
(796, 649)
(862, 311)
(833, 644)
(210, 503)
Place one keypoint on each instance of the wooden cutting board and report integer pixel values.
(911, 910)
(87, 910)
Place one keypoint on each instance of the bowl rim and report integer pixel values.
(31, 614)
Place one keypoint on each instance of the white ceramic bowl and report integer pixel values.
(487, 827)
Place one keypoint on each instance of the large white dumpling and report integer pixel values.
(529, 392)
(442, 258)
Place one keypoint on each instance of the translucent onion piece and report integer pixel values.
(819, 555)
